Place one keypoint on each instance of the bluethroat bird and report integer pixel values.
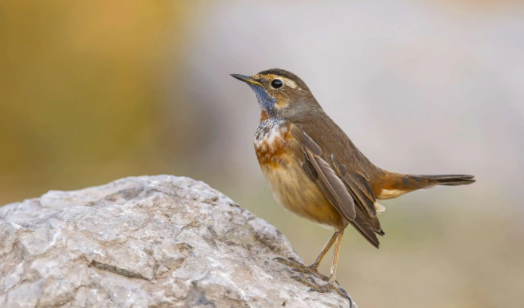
(316, 172)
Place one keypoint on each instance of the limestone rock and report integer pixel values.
(159, 241)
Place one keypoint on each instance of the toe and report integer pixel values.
(290, 261)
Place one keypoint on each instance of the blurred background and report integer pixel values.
(93, 91)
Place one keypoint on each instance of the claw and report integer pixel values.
(310, 270)
(301, 268)
(310, 282)
(331, 286)
(290, 262)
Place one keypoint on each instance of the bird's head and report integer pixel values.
(279, 92)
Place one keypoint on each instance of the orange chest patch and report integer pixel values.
(272, 143)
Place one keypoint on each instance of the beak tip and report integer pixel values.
(240, 77)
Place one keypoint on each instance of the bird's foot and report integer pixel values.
(311, 270)
(324, 288)
(289, 262)
(299, 267)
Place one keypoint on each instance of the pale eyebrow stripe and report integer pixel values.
(288, 82)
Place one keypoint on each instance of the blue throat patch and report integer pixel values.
(266, 101)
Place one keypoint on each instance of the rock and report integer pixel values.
(159, 241)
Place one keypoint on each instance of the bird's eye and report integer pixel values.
(277, 83)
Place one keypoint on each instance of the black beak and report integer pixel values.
(240, 77)
(246, 79)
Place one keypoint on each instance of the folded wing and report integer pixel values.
(348, 192)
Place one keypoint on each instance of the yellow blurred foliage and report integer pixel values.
(80, 82)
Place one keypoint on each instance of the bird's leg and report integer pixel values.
(331, 280)
(326, 248)
(334, 263)
(331, 284)
(298, 267)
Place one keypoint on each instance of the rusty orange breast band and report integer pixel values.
(272, 141)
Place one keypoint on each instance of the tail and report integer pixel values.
(449, 180)
(396, 184)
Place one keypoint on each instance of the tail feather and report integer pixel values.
(450, 180)
(396, 184)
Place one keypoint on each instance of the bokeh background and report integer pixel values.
(92, 91)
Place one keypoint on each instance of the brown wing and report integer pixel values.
(327, 180)
(359, 185)
(361, 192)
(341, 194)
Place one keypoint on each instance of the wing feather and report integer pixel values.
(349, 193)
(365, 229)
(359, 186)
(329, 183)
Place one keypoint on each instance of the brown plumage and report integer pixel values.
(314, 169)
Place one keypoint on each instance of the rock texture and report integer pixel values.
(159, 241)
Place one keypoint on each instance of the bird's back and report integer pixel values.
(336, 145)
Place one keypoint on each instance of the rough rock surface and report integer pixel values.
(159, 241)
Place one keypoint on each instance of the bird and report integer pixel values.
(315, 171)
